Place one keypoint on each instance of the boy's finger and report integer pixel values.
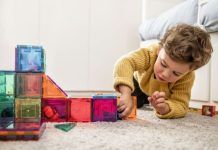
(121, 108)
(120, 104)
(149, 99)
(155, 94)
(124, 114)
(160, 106)
(162, 94)
(159, 100)
(152, 101)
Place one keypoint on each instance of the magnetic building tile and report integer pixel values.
(104, 110)
(22, 131)
(80, 110)
(29, 58)
(65, 126)
(51, 89)
(29, 85)
(209, 110)
(27, 109)
(133, 113)
(54, 109)
(104, 96)
(6, 107)
(6, 123)
(7, 83)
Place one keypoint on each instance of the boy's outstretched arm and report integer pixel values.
(125, 105)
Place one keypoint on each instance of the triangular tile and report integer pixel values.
(51, 89)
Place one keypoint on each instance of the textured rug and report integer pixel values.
(194, 132)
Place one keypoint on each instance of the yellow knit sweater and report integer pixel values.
(140, 63)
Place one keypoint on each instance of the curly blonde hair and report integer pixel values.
(188, 44)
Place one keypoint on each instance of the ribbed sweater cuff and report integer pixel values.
(175, 112)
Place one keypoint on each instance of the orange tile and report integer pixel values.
(51, 89)
(134, 110)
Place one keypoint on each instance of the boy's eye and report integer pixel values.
(176, 74)
(162, 64)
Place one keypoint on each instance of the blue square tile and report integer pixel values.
(29, 59)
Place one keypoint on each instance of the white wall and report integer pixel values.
(214, 70)
(19, 24)
(82, 38)
(153, 8)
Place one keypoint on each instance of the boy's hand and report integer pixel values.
(125, 105)
(157, 100)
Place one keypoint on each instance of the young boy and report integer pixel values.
(163, 73)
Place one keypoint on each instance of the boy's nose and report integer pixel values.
(166, 74)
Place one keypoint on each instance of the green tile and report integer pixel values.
(28, 108)
(7, 83)
(6, 107)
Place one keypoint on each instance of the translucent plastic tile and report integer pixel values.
(7, 99)
(6, 107)
(28, 125)
(209, 110)
(29, 85)
(27, 110)
(133, 114)
(51, 89)
(29, 58)
(104, 96)
(80, 110)
(21, 131)
(7, 83)
(104, 110)
(7, 123)
(54, 109)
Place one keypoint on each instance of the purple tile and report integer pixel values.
(104, 110)
(54, 109)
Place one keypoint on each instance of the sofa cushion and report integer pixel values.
(154, 28)
(208, 15)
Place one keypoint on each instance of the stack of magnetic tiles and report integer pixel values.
(29, 97)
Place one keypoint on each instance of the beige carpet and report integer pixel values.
(195, 132)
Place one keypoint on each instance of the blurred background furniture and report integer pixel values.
(159, 15)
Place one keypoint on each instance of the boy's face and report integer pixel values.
(168, 70)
